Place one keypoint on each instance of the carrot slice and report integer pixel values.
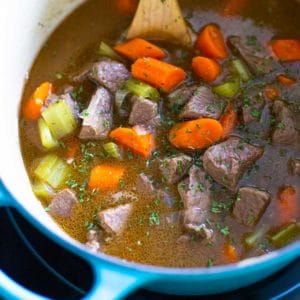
(32, 108)
(286, 81)
(230, 253)
(196, 134)
(286, 50)
(234, 7)
(287, 204)
(229, 120)
(206, 68)
(138, 142)
(106, 177)
(138, 48)
(272, 92)
(211, 42)
(126, 6)
(72, 147)
(157, 73)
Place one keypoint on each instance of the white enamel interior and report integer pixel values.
(24, 27)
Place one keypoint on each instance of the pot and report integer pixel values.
(24, 27)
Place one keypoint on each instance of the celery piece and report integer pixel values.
(47, 138)
(105, 50)
(227, 89)
(241, 69)
(140, 88)
(252, 239)
(42, 190)
(60, 119)
(112, 150)
(285, 235)
(52, 170)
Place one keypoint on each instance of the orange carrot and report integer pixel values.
(211, 42)
(229, 120)
(286, 81)
(139, 143)
(106, 177)
(230, 253)
(32, 108)
(272, 92)
(196, 134)
(72, 147)
(157, 73)
(234, 7)
(206, 68)
(126, 6)
(287, 204)
(286, 50)
(138, 48)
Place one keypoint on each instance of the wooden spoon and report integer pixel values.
(160, 20)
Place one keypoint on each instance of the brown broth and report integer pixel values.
(75, 43)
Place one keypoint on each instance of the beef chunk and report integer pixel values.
(195, 194)
(180, 97)
(114, 220)
(62, 203)
(94, 238)
(203, 103)
(285, 132)
(253, 105)
(53, 98)
(250, 205)
(30, 128)
(144, 185)
(165, 198)
(173, 218)
(174, 168)
(258, 61)
(226, 162)
(294, 166)
(110, 74)
(97, 118)
(144, 112)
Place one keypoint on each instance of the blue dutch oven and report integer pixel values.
(21, 36)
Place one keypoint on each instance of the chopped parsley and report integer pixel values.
(224, 230)
(154, 218)
(210, 262)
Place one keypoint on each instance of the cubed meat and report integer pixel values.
(195, 194)
(97, 118)
(31, 132)
(202, 104)
(180, 97)
(63, 203)
(258, 61)
(294, 166)
(174, 168)
(110, 74)
(285, 132)
(114, 220)
(226, 162)
(253, 105)
(166, 198)
(173, 218)
(94, 238)
(53, 98)
(250, 205)
(144, 185)
(143, 112)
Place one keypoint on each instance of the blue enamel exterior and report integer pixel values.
(114, 278)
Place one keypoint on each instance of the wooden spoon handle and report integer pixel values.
(160, 20)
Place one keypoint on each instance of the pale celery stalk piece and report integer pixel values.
(42, 189)
(106, 50)
(47, 139)
(52, 170)
(142, 89)
(112, 150)
(241, 69)
(60, 119)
